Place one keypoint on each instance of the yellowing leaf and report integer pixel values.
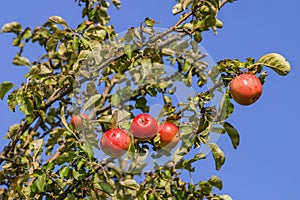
(57, 20)
(276, 62)
(11, 27)
(21, 61)
(218, 155)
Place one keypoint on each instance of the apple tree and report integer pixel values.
(82, 135)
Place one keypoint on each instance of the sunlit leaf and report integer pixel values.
(177, 9)
(64, 171)
(218, 155)
(13, 129)
(40, 182)
(21, 61)
(64, 121)
(91, 102)
(11, 27)
(4, 88)
(216, 182)
(88, 149)
(115, 99)
(130, 183)
(276, 62)
(225, 197)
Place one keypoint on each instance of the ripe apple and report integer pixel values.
(76, 120)
(143, 126)
(169, 135)
(245, 89)
(115, 142)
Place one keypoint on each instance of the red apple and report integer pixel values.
(169, 135)
(115, 142)
(76, 120)
(143, 126)
(245, 89)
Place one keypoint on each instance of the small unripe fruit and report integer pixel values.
(245, 89)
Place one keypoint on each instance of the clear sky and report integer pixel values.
(266, 164)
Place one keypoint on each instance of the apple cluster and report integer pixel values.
(116, 141)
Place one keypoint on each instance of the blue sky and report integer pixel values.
(265, 166)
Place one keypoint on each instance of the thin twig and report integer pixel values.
(187, 15)
(222, 3)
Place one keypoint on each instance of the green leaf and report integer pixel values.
(26, 33)
(128, 50)
(38, 148)
(40, 182)
(85, 43)
(64, 171)
(66, 157)
(21, 61)
(88, 149)
(233, 134)
(179, 153)
(26, 106)
(4, 88)
(42, 115)
(64, 121)
(53, 40)
(130, 183)
(181, 46)
(276, 62)
(71, 197)
(146, 67)
(198, 36)
(186, 66)
(177, 9)
(218, 155)
(78, 175)
(226, 108)
(91, 102)
(106, 187)
(216, 182)
(187, 163)
(115, 99)
(141, 103)
(117, 3)
(39, 70)
(13, 130)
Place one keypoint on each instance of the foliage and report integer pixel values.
(47, 159)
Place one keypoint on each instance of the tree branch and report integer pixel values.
(56, 95)
(187, 15)
(222, 3)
